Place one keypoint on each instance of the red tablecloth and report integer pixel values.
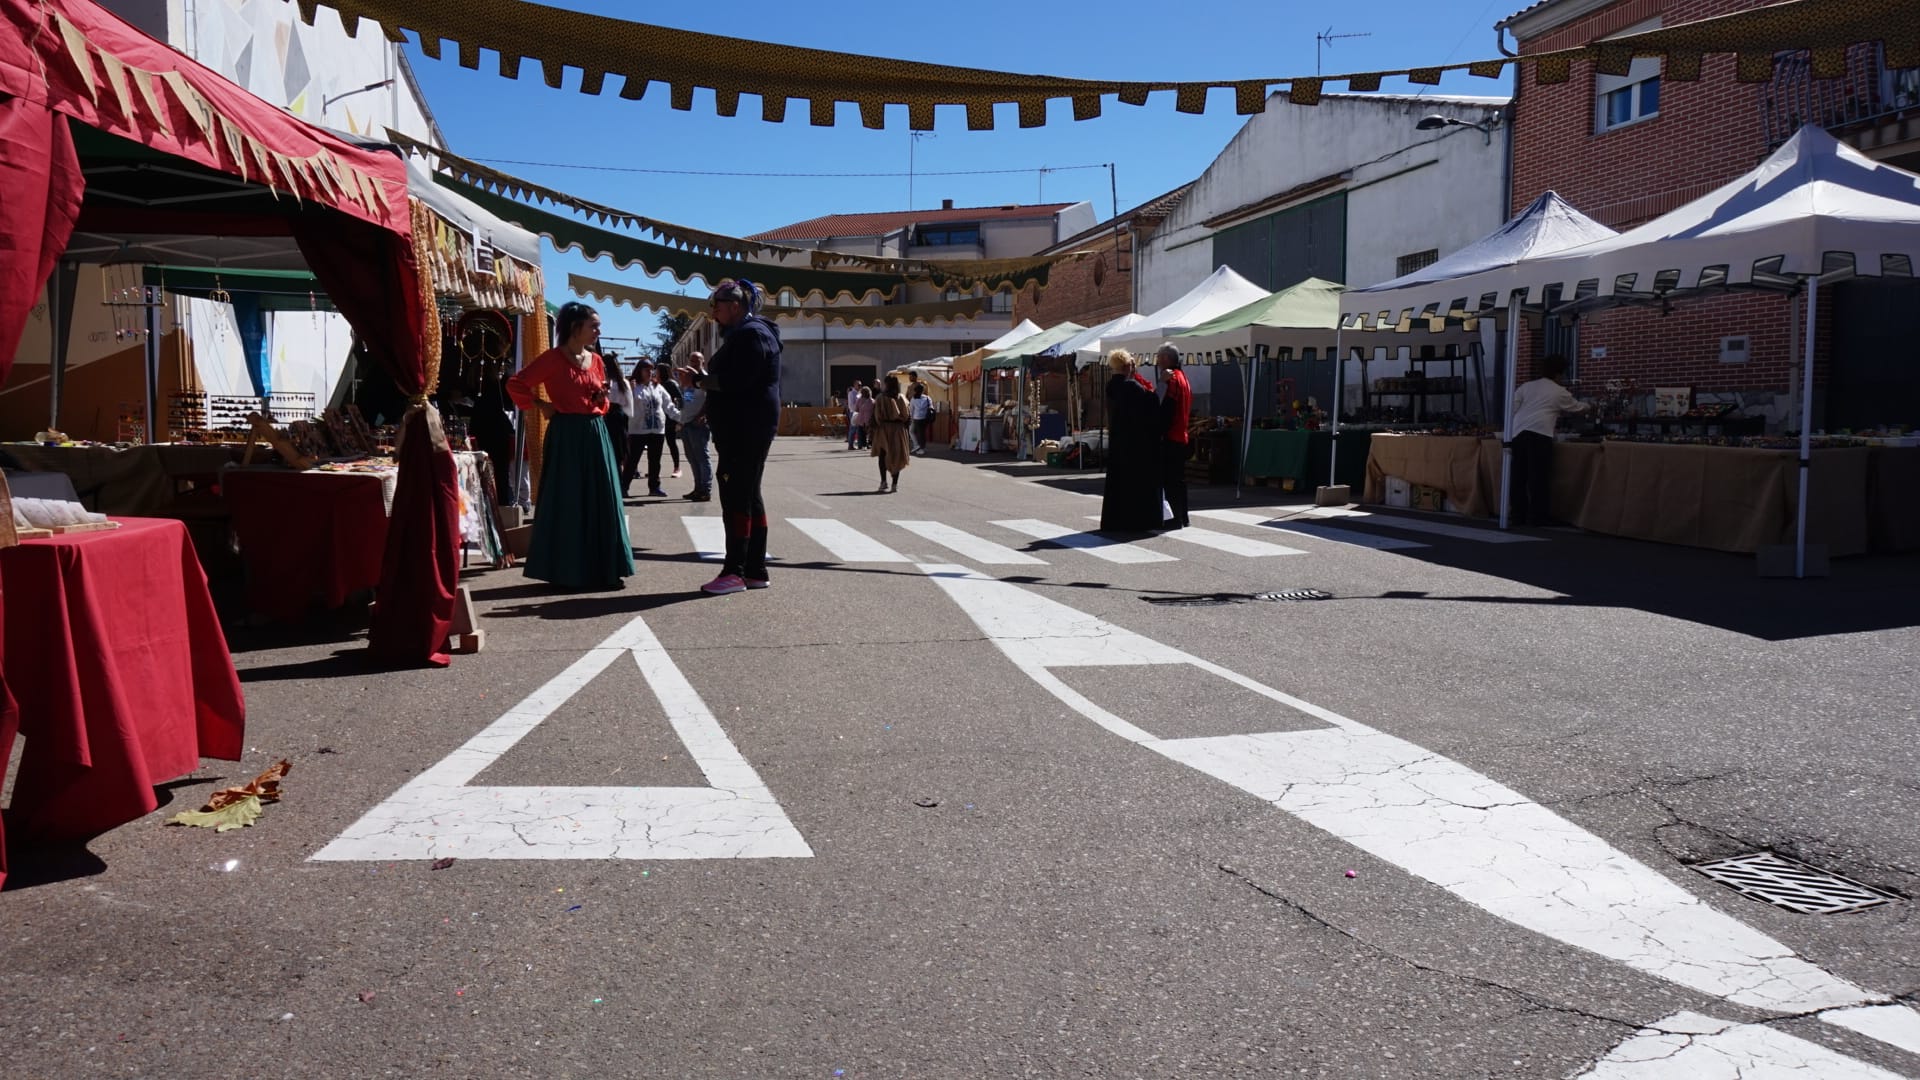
(306, 536)
(121, 671)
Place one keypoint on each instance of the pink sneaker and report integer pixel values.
(724, 584)
(757, 583)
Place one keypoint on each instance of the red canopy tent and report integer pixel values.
(68, 62)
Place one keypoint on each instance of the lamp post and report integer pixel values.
(1434, 122)
(328, 102)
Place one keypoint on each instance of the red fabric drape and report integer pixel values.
(40, 176)
(372, 279)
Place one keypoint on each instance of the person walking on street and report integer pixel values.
(889, 432)
(921, 407)
(647, 428)
(672, 438)
(693, 425)
(853, 399)
(860, 419)
(1176, 445)
(619, 408)
(580, 532)
(743, 412)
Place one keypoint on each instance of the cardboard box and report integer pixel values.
(517, 540)
(1428, 498)
(1399, 493)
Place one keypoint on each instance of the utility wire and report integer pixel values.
(823, 175)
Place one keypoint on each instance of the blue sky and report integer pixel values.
(592, 146)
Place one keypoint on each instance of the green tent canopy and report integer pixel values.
(1016, 355)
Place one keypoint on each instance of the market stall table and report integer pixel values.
(135, 480)
(121, 672)
(307, 535)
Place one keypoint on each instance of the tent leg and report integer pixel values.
(1339, 379)
(1506, 426)
(1246, 420)
(151, 295)
(1806, 431)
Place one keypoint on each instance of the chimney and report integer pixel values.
(946, 204)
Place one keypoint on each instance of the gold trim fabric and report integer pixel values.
(642, 55)
(613, 292)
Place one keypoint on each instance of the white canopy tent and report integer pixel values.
(1458, 289)
(1221, 292)
(1814, 211)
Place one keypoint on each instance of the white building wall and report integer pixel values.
(1408, 190)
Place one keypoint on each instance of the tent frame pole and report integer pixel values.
(1506, 426)
(1339, 381)
(1252, 372)
(1806, 428)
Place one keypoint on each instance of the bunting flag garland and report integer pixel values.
(598, 46)
(994, 274)
(840, 314)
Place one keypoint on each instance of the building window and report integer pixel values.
(952, 295)
(1626, 99)
(1001, 303)
(958, 235)
(1407, 264)
(788, 299)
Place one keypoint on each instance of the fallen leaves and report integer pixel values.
(236, 807)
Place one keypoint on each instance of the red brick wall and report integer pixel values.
(1707, 133)
(1087, 291)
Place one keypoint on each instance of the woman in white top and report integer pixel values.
(1537, 406)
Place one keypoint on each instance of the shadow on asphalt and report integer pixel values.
(30, 864)
(343, 663)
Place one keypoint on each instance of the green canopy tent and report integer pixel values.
(1020, 357)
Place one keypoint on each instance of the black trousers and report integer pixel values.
(1532, 484)
(673, 442)
(743, 463)
(637, 445)
(1173, 480)
(617, 435)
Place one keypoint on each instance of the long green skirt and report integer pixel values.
(579, 525)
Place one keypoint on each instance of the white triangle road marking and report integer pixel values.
(1116, 551)
(439, 813)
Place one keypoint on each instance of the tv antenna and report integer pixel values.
(1325, 39)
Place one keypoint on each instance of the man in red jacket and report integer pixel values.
(1176, 401)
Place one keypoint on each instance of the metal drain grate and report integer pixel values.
(1792, 885)
(1294, 594)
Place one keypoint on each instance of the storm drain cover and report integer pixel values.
(1211, 599)
(1792, 885)
(1294, 594)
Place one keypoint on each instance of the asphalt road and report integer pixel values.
(915, 812)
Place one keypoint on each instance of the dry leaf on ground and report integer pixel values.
(236, 807)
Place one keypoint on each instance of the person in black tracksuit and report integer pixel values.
(743, 412)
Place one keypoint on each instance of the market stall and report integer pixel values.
(228, 170)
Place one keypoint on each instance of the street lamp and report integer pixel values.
(1434, 122)
(327, 102)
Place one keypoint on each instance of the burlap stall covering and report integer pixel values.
(1448, 462)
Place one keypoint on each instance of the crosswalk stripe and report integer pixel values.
(1421, 525)
(1227, 542)
(977, 548)
(1092, 543)
(849, 545)
(709, 536)
(1312, 529)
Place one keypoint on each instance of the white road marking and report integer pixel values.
(979, 549)
(1227, 542)
(1422, 525)
(1890, 1024)
(709, 536)
(848, 544)
(1092, 543)
(1426, 814)
(1690, 1046)
(1311, 529)
(438, 814)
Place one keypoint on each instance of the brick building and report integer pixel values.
(1628, 148)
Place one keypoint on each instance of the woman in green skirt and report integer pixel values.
(579, 525)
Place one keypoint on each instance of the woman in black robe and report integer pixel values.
(1131, 501)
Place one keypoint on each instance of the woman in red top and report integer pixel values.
(580, 528)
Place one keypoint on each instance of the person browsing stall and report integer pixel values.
(1537, 407)
(580, 530)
